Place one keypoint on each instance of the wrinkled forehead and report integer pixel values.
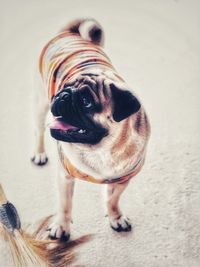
(94, 86)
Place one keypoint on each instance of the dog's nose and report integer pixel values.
(64, 95)
(60, 102)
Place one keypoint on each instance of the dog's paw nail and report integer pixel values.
(64, 237)
(53, 237)
(39, 159)
(121, 224)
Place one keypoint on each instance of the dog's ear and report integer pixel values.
(124, 103)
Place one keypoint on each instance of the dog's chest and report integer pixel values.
(101, 163)
(98, 163)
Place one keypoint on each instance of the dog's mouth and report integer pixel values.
(63, 131)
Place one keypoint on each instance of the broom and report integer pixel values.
(28, 250)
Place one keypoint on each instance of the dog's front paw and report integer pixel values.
(39, 159)
(120, 224)
(59, 229)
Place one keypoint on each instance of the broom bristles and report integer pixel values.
(23, 254)
(33, 250)
(28, 250)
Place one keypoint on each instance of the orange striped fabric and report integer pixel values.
(67, 56)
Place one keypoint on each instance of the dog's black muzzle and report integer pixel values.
(63, 105)
(61, 102)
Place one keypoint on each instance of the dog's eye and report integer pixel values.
(87, 103)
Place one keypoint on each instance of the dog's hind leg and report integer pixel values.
(118, 221)
(40, 109)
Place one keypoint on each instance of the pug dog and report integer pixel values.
(99, 123)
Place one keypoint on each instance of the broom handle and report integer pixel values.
(3, 199)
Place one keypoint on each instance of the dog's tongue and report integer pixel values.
(61, 125)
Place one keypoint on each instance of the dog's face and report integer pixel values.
(86, 109)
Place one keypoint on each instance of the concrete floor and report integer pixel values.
(155, 46)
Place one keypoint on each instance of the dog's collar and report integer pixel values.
(75, 173)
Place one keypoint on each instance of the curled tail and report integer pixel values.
(89, 29)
